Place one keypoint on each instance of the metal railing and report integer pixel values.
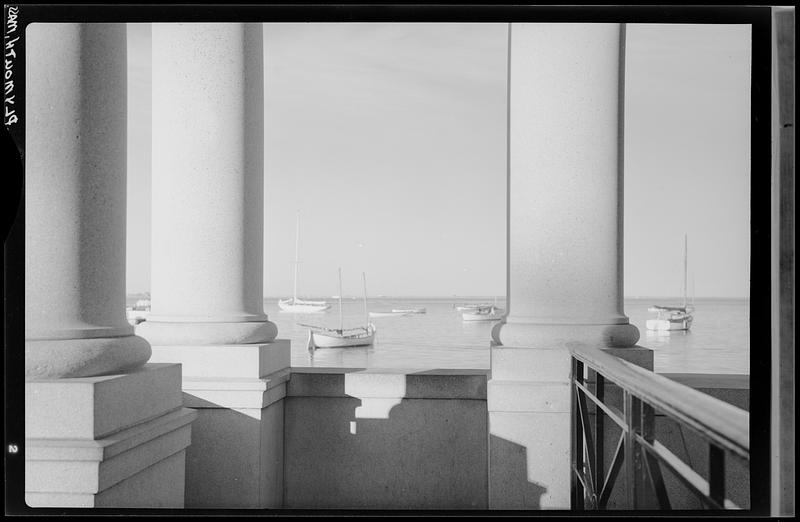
(595, 376)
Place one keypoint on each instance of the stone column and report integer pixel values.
(102, 428)
(207, 259)
(208, 184)
(564, 249)
(75, 324)
(565, 185)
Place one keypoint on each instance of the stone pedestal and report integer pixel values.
(236, 457)
(564, 250)
(112, 441)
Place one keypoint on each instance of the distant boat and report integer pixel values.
(139, 312)
(393, 313)
(473, 307)
(673, 317)
(294, 304)
(492, 313)
(409, 310)
(321, 337)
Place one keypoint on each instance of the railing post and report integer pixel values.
(629, 469)
(633, 452)
(716, 474)
(577, 439)
(599, 436)
(651, 464)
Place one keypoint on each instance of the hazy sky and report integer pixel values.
(390, 141)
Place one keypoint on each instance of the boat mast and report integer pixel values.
(366, 314)
(341, 319)
(296, 255)
(685, 272)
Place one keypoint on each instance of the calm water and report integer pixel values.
(717, 343)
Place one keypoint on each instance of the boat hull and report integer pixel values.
(303, 307)
(137, 316)
(664, 325)
(409, 311)
(472, 308)
(332, 340)
(494, 314)
(388, 314)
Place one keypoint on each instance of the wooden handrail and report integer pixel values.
(717, 421)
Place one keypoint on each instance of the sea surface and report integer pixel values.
(718, 342)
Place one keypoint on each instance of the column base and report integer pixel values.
(72, 358)
(236, 457)
(538, 335)
(528, 402)
(207, 333)
(111, 441)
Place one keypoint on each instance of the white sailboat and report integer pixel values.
(295, 304)
(321, 337)
(472, 307)
(391, 313)
(674, 317)
(492, 313)
(139, 312)
(409, 310)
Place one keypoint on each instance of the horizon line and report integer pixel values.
(472, 296)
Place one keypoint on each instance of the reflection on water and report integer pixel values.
(717, 343)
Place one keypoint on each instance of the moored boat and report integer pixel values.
(473, 307)
(321, 337)
(408, 310)
(139, 312)
(392, 313)
(671, 318)
(492, 313)
(330, 338)
(295, 304)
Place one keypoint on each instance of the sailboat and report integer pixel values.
(294, 304)
(483, 313)
(674, 317)
(139, 312)
(492, 313)
(471, 307)
(390, 313)
(420, 310)
(321, 337)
